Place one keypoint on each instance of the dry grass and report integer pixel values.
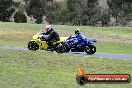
(21, 35)
(111, 38)
(16, 35)
(100, 34)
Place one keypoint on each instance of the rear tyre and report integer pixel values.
(32, 45)
(91, 49)
(60, 49)
(67, 49)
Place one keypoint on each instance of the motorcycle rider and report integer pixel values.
(80, 38)
(51, 36)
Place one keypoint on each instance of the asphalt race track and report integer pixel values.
(97, 54)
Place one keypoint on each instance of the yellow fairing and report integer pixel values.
(42, 44)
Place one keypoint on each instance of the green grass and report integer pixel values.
(112, 47)
(109, 40)
(26, 69)
(114, 31)
(8, 26)
(13, 43)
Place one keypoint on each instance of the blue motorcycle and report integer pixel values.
(71, 45)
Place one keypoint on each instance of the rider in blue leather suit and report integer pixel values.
(79, 39)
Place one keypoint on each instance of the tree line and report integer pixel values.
(68, 12)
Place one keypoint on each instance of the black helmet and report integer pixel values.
(77, 31)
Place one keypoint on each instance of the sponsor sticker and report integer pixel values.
(83, 78)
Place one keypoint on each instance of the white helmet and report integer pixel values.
(77, 31)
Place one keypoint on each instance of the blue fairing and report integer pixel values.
(72, 42)
(89, 42)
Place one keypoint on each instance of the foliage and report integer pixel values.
(70, 12)
(20, 17)
(84, 11)
(36, 8)
(6, 10)
(120, 8)
(105, 18)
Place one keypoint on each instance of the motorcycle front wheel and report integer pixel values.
(32, 45)
(91, 49)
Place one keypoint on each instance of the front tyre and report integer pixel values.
(32, 45)
(67, 49)
(91, 49)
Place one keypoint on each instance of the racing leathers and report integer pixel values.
(79, 39)
(51, 36)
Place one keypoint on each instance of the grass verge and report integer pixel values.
(26, 69)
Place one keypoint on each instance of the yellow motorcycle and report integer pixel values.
(38, 43)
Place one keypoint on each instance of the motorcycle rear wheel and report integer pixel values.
(67, 49)
(60, 49)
